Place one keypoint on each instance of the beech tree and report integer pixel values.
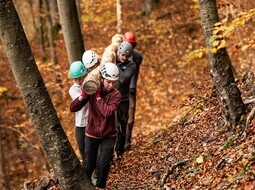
(4, 182)
(148, 5)
(69, 21)
(65, 163)
(50, 27)
(119, 19)
(221, 67)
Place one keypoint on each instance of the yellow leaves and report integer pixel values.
(2, 90)
(215, 43)
(213, 50)
(248, 45)
(224, 30)
(218, 44)
(193, 55)
(245, 47)
(195, 6)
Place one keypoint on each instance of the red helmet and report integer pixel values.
(130, 37)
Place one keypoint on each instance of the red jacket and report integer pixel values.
(101, 119)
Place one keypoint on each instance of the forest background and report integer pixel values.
(177, 117)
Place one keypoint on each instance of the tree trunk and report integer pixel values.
(4, 183)
(66, 165)
(50, 33)
(41, 31)
(53, 12)
(71, 29)
(78, 6)
(221, 67)
(119, 19)
(148, 5)
(31, 2)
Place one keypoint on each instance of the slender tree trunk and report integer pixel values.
(66, 165)
(31, 2)
(53, 6)
(71, 29)
(119, 19)
(78, 5)
(148, 5)
(41, 31)
(4, 183)
(50, 33)
(221, 67)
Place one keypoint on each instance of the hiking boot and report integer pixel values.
(83, 164)
(118, 156)
(127, 144)
(94, 178)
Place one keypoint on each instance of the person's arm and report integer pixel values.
(110, 107)
(79, 102)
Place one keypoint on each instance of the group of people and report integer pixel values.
(104, 120)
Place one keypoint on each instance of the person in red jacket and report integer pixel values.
(101, 130)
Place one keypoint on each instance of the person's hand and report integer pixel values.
(97, 94)
(83, 94)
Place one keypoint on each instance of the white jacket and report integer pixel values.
(81, 117)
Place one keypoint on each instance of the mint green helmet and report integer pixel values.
(77, 69)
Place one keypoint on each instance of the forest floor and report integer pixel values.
(181, 138)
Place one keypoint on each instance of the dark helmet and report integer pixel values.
(125, 48)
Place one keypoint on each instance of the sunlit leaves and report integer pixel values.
(2, 90)
(224, 30)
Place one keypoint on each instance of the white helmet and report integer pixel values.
(89, 58)
(110, 71)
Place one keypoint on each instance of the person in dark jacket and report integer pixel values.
(101, 130)
(127, 69)
(137, 58)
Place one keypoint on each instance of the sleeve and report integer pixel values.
(125, 75)
(109, 108)
(74, 92)
(76, 104)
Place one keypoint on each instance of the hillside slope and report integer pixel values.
(200, 151)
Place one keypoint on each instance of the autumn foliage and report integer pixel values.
(181, 138)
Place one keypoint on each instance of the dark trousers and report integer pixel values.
(80, 140)
(102, 163)
(131, 114)
(122, 118)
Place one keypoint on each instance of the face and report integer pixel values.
(80, 80)
(123, 58)
(108, 84)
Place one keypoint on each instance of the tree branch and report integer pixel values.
(171, 170)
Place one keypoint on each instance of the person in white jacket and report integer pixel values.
(78, 72)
